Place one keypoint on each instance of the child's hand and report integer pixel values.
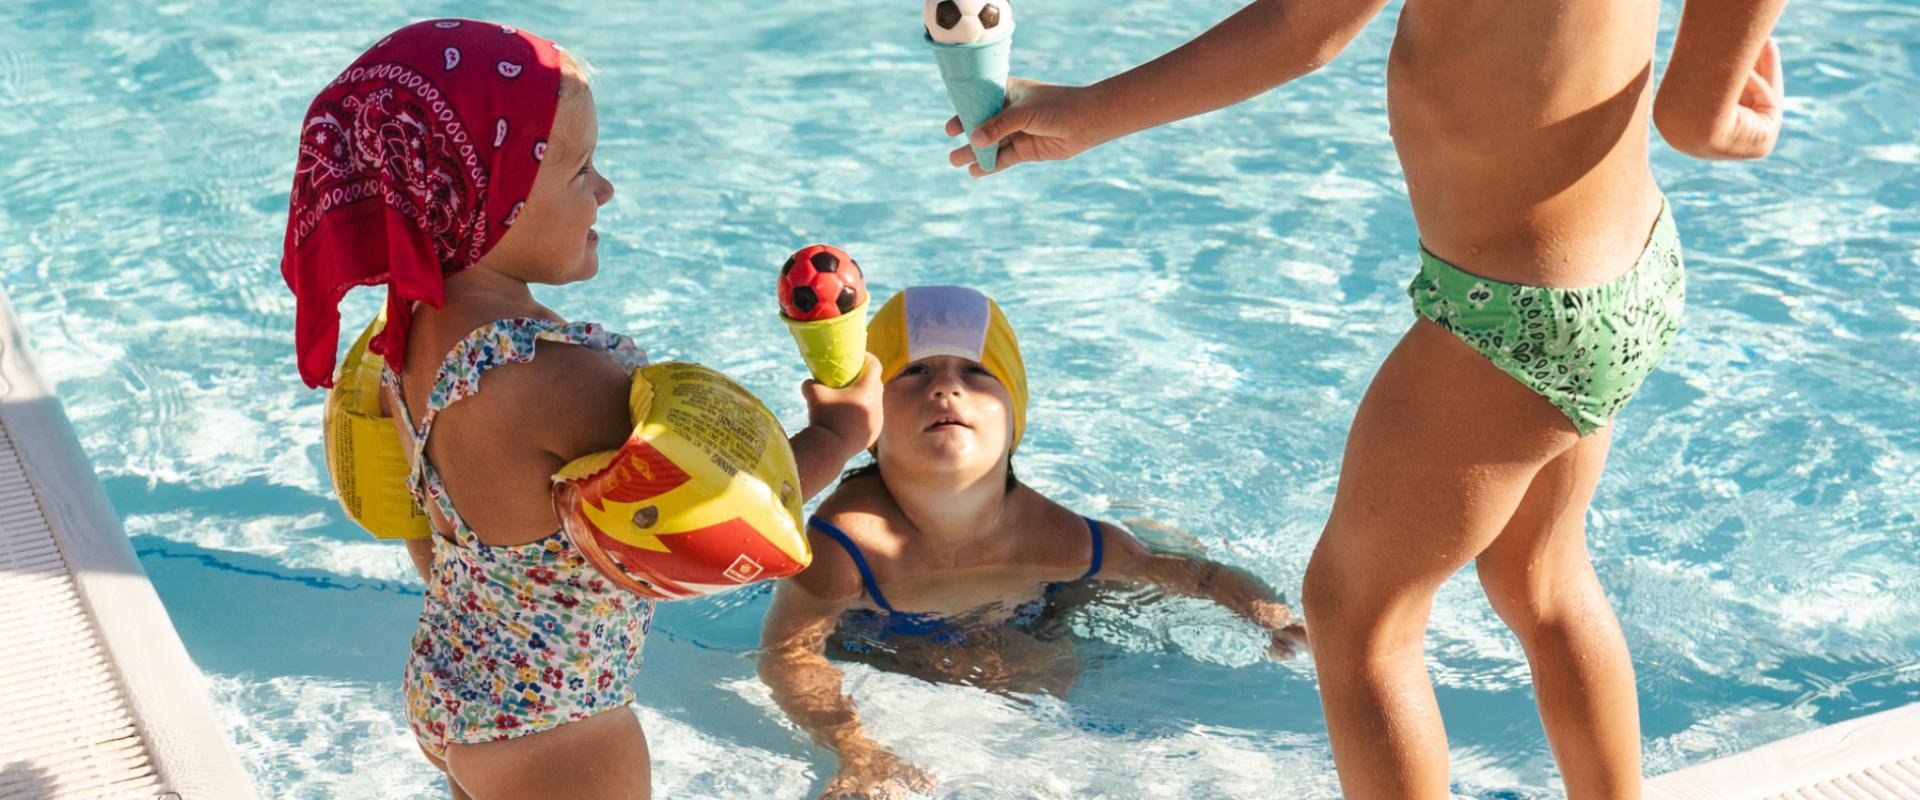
(1756, 120)
(840, 424)
(1041, 122)
(1747, 130)
(1287, 636)
(1754, 126)
(879, 775)
(1287, 642)
(851, 414)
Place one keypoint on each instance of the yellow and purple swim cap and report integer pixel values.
(927, 321)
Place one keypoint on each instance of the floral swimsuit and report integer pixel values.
(520, 639)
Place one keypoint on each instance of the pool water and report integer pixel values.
(1200, 308)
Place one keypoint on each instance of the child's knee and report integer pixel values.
(1521, 612)
(1538, 610)
(1350, 611)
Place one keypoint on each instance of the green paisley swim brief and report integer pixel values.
(1586, 350)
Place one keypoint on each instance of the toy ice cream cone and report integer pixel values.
(835, 349)
(823, 300)
(972, 41)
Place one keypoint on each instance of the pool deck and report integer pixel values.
(100, 699)
(1876, 756)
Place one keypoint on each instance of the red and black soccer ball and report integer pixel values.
(821, 282)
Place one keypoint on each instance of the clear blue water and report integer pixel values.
(1200, 307)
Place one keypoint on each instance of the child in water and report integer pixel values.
(1549, 285)
(453, 163)
(938, 554)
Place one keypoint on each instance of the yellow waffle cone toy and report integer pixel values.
(835, 349)
(823, 300)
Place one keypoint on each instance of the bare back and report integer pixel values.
(1522, 126)
(497, 450)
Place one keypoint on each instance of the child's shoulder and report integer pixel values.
(833, 575)
(1070, 536)
(566, 398)
(864, 512)
(861, 510)
(861, 492)
(484, 344)
(1036, 511)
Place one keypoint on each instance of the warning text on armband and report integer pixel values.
(718, 420)
(345, 472)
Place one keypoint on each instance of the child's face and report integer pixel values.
(947, 416)
(553, 241)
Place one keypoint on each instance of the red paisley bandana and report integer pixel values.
(413, 164)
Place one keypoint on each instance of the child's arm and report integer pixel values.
(840, 424)
(808, 688)
(1265, 44)
(1233, 589)
(421, 552)
(1723, 93)
(794, 666)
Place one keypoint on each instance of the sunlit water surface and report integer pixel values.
(1200, 309)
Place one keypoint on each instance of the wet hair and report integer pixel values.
(872, 468)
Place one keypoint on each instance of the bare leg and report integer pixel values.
(1539, 579)
(1441, 454)
(452, 785)
(603, 757)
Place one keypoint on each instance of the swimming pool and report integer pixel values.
(1199, 306)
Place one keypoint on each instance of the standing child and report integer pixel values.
(1549, 286)
(453, 163)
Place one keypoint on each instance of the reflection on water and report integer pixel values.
(1002, 658)
(1014, 651)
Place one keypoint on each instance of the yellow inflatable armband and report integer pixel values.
(365, 456)
(702, 498)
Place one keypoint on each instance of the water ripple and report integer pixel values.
(1200, 307)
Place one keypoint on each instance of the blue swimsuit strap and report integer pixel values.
(866, 572)
(873, 586)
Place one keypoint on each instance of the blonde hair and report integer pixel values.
(576, 75)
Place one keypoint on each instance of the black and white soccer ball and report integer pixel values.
(967, 21)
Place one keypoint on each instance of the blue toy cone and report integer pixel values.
(976, 76)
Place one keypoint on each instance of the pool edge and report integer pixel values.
(1875, 756)
(122, 630)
